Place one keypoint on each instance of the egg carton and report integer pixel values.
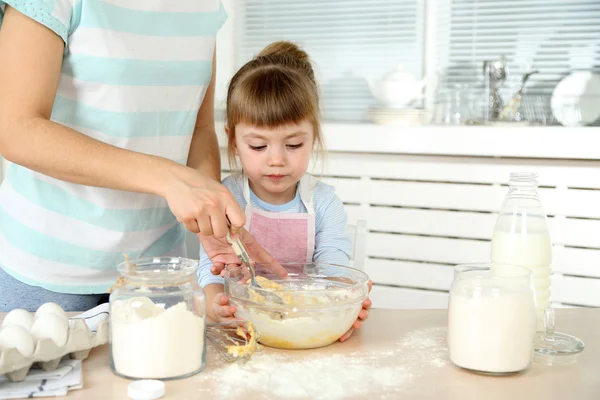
(47, 355)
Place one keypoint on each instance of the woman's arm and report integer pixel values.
(30, 66)
(204, 151)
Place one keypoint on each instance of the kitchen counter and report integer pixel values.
(397, 354)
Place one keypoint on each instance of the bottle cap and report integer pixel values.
(146, 389)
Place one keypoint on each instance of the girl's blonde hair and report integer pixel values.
(275, 88)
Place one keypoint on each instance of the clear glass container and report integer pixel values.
(157, 319)
(491, 318)
(320, 303)
(521, 236)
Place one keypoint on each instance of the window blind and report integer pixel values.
(553, 36)
(351, 43)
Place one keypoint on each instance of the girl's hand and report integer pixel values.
(362, 316)
(222, 309)
(201, 203)
(221, 254)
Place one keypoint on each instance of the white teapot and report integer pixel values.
(398, 88)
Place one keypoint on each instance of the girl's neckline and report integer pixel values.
(274, 207)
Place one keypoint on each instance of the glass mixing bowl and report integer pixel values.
(321, 302)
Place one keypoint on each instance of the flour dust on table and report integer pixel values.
(381, 371)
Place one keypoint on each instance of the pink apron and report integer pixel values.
(288, 236)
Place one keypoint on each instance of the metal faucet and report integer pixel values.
(495, 73)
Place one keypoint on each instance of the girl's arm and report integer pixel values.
(30, 67)
(332, 243)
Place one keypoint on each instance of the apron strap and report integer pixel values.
(307, 191)
(246, 189)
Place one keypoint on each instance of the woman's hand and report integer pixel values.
(221, 253)
(201, 204)
(362, 316)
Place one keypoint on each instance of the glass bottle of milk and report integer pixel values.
(521, 236)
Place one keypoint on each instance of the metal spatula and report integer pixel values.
(242, 254)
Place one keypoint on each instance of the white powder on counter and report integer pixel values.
(148, 341)
(379, 372)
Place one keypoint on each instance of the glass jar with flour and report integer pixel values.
(157, 319)
(491, 318)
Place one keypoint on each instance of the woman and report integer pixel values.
(106, 111)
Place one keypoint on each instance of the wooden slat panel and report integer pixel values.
(401, 298)
(409, 274)
(570, 261)
(577, 232)
(578, 291)
(405, 298)
(355, 213)
(432, 222)
(349, 190)
(420, 194)
(432, 249)
(576, 203)
(450, 196)
(579, 203)
(571, 232)
(582, 262)
(582, 174)
(569, 290)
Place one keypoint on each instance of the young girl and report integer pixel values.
(273, 127)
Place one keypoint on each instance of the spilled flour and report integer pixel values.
(380, 371)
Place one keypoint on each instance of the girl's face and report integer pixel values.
(274, 160)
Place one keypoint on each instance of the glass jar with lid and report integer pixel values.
(491, 318)
(157, 319)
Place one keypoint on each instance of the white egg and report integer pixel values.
(51, 308)
(15, 336)
(20, 317)
(50, 326)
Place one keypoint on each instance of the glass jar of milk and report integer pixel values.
(521, 236)
(157, 319)
(491, 318)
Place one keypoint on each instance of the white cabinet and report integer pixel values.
(430, 197)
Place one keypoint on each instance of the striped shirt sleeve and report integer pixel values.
(53, 14)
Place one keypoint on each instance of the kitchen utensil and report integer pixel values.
(398, 88)
(575, 100)
(495, 73)
(242, 254)
(510, 112)
(234, 341)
